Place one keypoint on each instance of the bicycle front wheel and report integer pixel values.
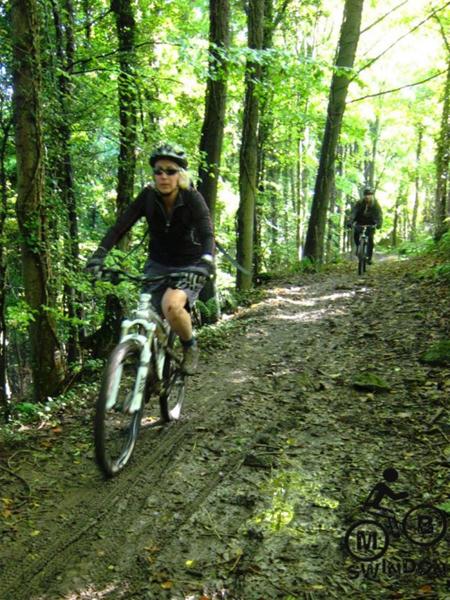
(115, 428)
(362, 258)
(173, 391)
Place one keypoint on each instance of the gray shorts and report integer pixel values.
(191, 284)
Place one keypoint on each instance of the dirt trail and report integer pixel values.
(250, 495)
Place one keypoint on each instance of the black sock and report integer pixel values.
(188, 343)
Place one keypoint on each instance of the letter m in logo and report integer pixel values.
(366, 540)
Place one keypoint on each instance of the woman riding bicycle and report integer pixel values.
(366, 212)
(181, 237)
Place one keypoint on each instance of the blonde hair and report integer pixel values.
(184, 179)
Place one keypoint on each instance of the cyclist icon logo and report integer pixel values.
(368, 539)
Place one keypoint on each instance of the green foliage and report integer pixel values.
(246, 298)
(443, 246)
(171, 71)
(307, 265)
(19, 315)
(438, 354)
(424, 244)
(215, 337)
(440, 272)
(439, 251)
(445, 506)
(371, 382)
(209, 310)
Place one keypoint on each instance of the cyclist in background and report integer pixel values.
(366, 212)
(181, 236)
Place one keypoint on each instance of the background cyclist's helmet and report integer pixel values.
(368, 191)
(167, 151)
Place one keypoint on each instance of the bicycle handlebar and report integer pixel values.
(115, 275)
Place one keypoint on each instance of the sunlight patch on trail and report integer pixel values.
(313, 301)
(303, 317)
(239, 377)
(290, 494)
(90, 593)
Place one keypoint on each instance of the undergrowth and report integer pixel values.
(439, 252)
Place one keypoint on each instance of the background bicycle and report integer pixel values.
(363, 247)
(143, 370)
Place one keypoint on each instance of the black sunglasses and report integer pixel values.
(161, 170)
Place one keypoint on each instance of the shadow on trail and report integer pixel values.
(250, 494)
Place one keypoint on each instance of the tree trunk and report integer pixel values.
(64, 170)
(211, 138)
(369, 167)
(4, 404)
(125, 24)
(335, 199)
(397, 216)
(103, 339)
(442, 198)
(416, 184)
(215, 102)
(248, 153)
(348, 41)
(46, 357)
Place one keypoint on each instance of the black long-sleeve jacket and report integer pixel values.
(176, 240)
(367, 214)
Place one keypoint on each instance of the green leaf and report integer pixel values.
(445, 506)
(370, 382)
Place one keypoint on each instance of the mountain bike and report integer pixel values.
(362, 248)
(144, 365)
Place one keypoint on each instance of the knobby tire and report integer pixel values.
(362, 257)
(115, 430)
(173, 388)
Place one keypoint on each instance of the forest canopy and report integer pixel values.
(87, 89)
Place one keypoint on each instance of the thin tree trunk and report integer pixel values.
(4, 405)
(305, 192)
(46, 356)
(417, 184)
(332, 230)
(273, 207)
(369, 170)
(396, 228)
(248, 153)
(442, 201)
(348, 41)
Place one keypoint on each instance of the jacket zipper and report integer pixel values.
(167, 219)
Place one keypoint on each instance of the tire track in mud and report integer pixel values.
(276, 380)
(119, 510)
(97, 514)
(95, 508)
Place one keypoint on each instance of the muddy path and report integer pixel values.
(250, 495)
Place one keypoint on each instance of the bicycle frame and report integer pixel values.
(364, 234)
(362, 238)
(149, 326)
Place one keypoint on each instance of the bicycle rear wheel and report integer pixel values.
(173, 388)
(115, 429)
